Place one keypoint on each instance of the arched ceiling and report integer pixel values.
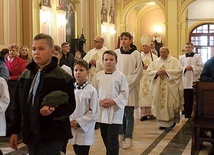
(139, 7)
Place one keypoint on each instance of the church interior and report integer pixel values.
(170, 23)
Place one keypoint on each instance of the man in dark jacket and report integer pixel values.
(67, 58)
(44, 128)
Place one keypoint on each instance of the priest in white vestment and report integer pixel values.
(94, 57)
(165, 73)
(192, 67)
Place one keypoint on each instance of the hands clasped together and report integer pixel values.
(161, 72)
(105, 103)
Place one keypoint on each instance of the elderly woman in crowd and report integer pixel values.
(14, 63)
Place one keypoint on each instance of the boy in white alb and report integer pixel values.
(4, 102)
(192, 66)
(113, 90)
(85, 115)
(130, 64)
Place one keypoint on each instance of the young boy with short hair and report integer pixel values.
(45, 128)
(85, 115)
(113, 91)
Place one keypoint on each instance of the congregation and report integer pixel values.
(102, 90)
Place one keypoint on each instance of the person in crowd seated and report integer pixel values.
(4, 52)
(4, 73)
(14, 63)
(24, 54)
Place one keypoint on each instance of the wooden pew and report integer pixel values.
(203, 115)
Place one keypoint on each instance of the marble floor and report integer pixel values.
(147, 140)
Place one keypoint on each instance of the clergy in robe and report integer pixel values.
(145, 97)
(94, 57)
(192, 66)
(165, 74)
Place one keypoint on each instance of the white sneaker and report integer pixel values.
(127, 143)
(121, 139)
(61, 153)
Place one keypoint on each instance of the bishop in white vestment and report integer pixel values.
(145, 97)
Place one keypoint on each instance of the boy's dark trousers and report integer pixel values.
(188, 102)
(109, 133)
(81, 149)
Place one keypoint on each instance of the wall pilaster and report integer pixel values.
(172, 27)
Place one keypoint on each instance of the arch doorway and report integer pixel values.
(202, 38)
